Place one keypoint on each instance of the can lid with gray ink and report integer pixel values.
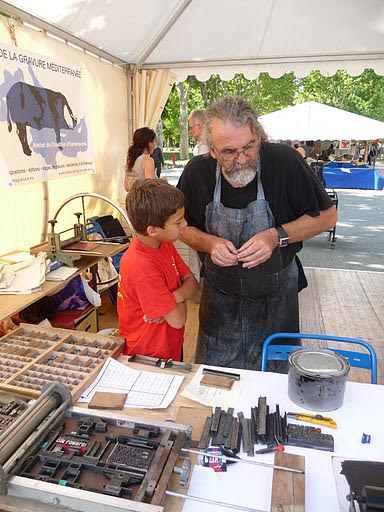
(317, 378)
(321, 363)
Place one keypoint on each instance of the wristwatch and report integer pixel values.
(283, 236)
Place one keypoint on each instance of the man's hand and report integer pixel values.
(258, 248)
(158, 320)
(223, 253)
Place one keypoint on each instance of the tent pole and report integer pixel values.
(130, 74)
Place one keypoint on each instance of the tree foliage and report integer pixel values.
(363, 95)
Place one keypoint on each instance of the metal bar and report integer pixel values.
(296, 59)
(235, 437)
(221, 373)
(245, 461)
(152, 476)
(31, 407)
(168, 469)
(162, 33)
(28, 445)
(206, 434)
(218, 438)
(262, 416)
(212, 502)
(215, 420)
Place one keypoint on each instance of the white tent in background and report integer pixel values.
(315, 121)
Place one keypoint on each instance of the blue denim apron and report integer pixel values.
(240, 307)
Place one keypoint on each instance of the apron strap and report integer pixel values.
(260, 189)
(217, 192)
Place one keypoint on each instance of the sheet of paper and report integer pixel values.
(242, 485)
(214, 397)
(61, 273)
(147, 390)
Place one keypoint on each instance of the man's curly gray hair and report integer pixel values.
(237, 111)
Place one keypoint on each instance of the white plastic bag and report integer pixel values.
(92, 296)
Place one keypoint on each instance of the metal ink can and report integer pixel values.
(317, 378)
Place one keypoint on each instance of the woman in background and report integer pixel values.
(140, 165)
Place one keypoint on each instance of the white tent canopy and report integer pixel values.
(201, 37)
(315, 121)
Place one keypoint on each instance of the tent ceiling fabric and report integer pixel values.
(315, 121)
(201, 37)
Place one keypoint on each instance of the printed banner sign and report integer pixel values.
(44, 129)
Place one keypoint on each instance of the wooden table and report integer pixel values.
(12, 304)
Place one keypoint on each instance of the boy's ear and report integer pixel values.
(152, 231)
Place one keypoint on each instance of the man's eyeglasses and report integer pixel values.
(230, 154)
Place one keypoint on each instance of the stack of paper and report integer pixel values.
(61, 273)
(22, 273)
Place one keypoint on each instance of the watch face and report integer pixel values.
(283, 242)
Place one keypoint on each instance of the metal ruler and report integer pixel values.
(166, 364)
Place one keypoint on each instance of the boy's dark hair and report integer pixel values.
(151, 202)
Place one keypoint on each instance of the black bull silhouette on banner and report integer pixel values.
(38, 108)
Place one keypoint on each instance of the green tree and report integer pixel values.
(170, 117)
(363, 94)
(265, 93)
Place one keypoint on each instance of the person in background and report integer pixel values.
(300, 149)
(249, 205)
(158, 158)
(371, 155)
(197, 129)
(139, 163)
(154, 282)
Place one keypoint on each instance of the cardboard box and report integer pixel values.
(77, 319)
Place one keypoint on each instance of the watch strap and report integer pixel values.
(283, 236)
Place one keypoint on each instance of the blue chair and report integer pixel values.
(367, 360)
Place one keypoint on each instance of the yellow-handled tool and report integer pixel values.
(313, 418)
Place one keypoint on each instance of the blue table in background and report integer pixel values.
(352, 177)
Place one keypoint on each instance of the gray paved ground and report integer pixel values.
(359, 231)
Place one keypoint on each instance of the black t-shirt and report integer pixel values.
(290, 187)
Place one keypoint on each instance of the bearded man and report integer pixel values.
(249, 205)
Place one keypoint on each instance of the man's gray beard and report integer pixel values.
(242, 173)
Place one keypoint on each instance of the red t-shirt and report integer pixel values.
(147, 279)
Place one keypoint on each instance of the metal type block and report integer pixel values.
(235, 436)
(215, 420)
(262, 416)
(206, 434)
(218, 438)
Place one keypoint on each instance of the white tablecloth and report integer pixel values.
(362, 412)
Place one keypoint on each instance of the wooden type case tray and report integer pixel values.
(32, 356)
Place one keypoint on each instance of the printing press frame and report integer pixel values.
(49, 412)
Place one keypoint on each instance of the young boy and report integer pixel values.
(154, 281)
